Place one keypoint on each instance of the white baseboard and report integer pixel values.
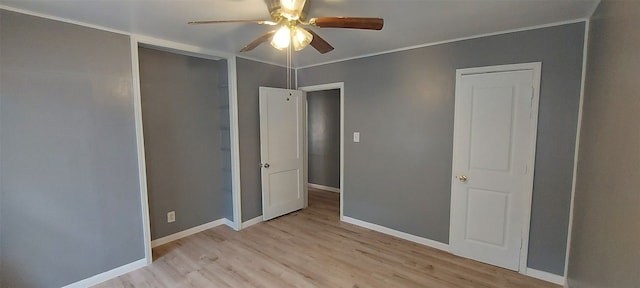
(113, 273)
(188, 232)
(251, 222)
(322, 187)
(231, 224)
(396, 233)
(546, 276)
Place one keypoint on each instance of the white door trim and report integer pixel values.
(195, 51)
(142, 164)
(536, 67)
(585, 50)
(235, 143)
(328, 86)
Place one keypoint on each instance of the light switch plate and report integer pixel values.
(356, 137)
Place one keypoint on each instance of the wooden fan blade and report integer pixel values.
(261, 22)
(348, 22)
(260, 40)
(319, 43)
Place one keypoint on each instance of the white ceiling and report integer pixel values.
(407, 22)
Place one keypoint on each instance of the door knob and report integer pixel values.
(462, 178)
(266, 165)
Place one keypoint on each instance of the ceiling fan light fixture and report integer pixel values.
(300, 38)
(291, 9)
(291, 15)
(282, 38)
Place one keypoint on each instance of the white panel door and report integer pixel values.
(491, 165)
(282, 151)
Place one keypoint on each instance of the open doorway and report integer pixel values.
(185, 103)
(186, 136)
(324, 146)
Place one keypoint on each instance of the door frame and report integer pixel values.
(195, 51)
(536, 68)
(322, 87)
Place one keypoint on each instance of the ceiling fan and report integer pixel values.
(290, 15)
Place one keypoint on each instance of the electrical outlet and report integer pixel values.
(171, 217)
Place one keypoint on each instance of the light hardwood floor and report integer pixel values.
(311, 248)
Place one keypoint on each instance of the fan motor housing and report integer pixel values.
(275, 9)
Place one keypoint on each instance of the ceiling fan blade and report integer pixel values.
(260, 40)
(348, 22)
(261, 22)
(319, 43)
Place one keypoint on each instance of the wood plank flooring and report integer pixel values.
(311, 248)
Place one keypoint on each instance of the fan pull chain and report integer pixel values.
(288, 70)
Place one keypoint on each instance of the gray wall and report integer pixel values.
(402, 103)
(181, 118)
(606, 223)
(252, 75)
(69, 186)
(323, 114)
